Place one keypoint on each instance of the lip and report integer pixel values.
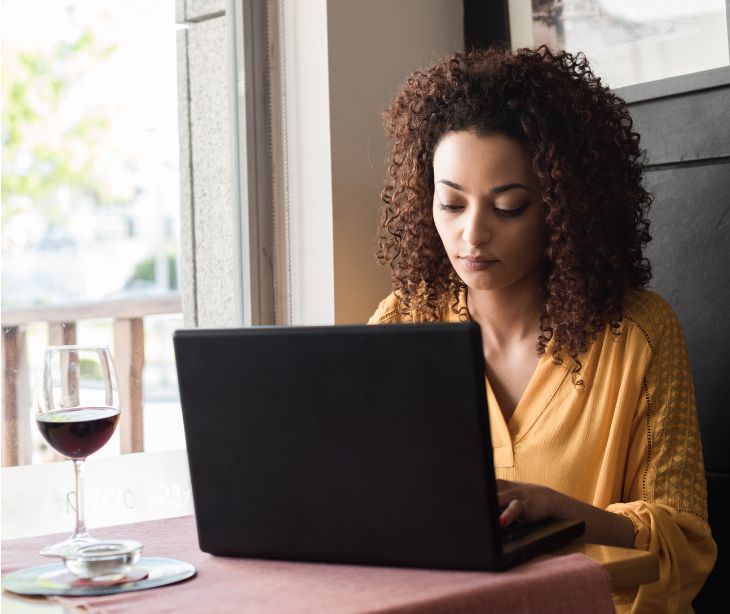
(477, 264)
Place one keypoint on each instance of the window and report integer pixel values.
(628, 42)
(90, 191)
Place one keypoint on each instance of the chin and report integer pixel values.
(482, 281)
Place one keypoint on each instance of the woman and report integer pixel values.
(515, 199)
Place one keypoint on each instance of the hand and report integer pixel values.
(525, 502)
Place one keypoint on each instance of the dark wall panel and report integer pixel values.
(690, 255)
(684, 128)
(687, 138)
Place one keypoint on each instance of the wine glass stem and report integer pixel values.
(80, 531)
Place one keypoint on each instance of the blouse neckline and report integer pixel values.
(542, 387)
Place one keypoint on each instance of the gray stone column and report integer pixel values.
(208, 242)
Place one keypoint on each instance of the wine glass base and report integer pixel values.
(67, 545)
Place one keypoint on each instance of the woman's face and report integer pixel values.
(487, 210)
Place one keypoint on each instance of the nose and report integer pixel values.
(477, 229)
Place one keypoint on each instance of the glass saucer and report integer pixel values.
(56, 580)
(103, 560)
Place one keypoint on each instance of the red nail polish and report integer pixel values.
(502, 521)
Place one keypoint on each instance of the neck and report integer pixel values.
(509, 315)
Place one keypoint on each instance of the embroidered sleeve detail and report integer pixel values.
(648, 440)
(390, 316)
(675, 473)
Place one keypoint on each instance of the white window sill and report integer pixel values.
(38, 499)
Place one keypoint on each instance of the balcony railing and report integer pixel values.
(128, 322)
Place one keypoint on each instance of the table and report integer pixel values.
(578, 578)
(625, 567)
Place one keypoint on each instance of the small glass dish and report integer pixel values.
(103, 560)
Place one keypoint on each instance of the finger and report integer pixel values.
(506, 496)
(511, 513)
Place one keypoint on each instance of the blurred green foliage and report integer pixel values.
(145, 271)
(90, 369)
(45, 147)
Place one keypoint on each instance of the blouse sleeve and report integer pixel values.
(665, 491)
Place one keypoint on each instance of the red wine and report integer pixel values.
(76, 433)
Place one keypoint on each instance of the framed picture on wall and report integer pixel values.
(632, 43)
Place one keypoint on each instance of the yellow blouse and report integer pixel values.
(627, 441)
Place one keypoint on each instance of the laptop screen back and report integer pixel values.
(351, 444)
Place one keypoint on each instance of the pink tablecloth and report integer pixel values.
(565, 584)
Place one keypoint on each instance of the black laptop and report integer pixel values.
(347, 444)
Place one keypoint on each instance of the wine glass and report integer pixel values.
(77, 412)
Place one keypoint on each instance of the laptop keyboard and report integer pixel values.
(517, 529)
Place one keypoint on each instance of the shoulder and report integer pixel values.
(389, 311)
(651, 314)
(392, 310)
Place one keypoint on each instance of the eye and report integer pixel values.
(511, 212)
(450, 208)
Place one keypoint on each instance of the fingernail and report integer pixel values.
(502, 521)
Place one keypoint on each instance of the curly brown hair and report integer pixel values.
(588, 162)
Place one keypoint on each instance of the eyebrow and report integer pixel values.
(496, 190)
